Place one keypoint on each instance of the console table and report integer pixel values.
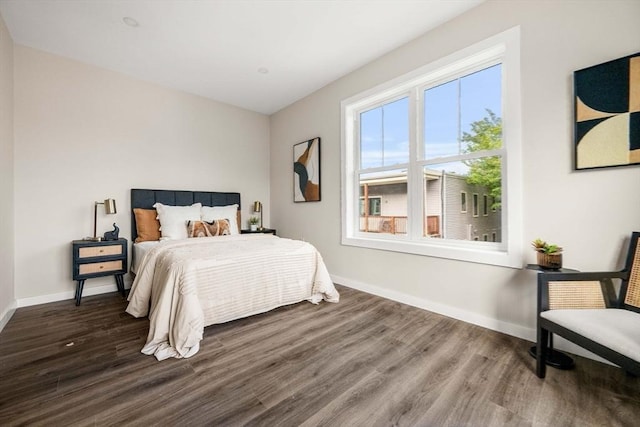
(553, 358)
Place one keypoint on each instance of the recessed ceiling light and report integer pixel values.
(263, 70)
(130, 21)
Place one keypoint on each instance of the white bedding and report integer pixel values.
(185, 285)
(139, 251)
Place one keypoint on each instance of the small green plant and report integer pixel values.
(540, 245)
(254, 220)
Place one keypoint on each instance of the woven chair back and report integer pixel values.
(633, 288)
(583, 294)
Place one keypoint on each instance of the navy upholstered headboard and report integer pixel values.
(145, 199)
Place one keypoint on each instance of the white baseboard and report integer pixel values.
(7, 313)
(518, 331)
(446, 310)
(61, 296)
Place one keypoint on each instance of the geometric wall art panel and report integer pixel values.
(607, 114)
(306, 171)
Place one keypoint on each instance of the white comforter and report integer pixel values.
(185, 285)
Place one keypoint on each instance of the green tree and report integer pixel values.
(486, 134)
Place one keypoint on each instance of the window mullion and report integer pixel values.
(355, 217)
(467, 156)
(415, 203)
(459, 80)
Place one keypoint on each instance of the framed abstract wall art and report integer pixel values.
(607, 114)
(306, 171)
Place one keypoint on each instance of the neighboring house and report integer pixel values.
(383, 204)
(467, 210)
(455, 209)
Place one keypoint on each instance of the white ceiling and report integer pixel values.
(215, 48)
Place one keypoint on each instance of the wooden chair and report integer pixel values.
(584, 308)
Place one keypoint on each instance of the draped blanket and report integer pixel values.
(185, 285)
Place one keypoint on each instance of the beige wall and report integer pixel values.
(7, 295)
(590, 213)
(84, 134)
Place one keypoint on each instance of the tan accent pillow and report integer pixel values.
(147, 225)
(220, 227)
(208, 229)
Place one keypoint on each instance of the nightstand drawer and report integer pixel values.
(94, 251)
(100, 267)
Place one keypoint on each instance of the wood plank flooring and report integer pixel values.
(366, 361)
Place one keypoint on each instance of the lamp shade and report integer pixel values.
(110, 206)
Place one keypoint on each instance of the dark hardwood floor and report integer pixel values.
(366, 361)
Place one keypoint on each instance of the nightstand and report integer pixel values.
(97, 259)
(263, 231)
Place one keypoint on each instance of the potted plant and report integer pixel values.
(549, 255)
(253, 223)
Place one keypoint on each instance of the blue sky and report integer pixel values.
(387, 128)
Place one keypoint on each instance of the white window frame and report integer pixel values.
(502, 48)
(463, 206)
(485, 205)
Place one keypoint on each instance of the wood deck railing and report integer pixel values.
(396, 224)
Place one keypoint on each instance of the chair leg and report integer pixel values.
(541, 352)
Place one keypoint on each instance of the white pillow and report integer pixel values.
(173, 219)
(230, 212)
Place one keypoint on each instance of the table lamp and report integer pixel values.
(257, 207)
(109, 208)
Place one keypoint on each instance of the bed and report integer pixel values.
(186, 284)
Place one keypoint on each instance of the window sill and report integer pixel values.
(486, 254)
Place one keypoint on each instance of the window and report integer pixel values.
(374, 206)
(412, 149)
(475, 205)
